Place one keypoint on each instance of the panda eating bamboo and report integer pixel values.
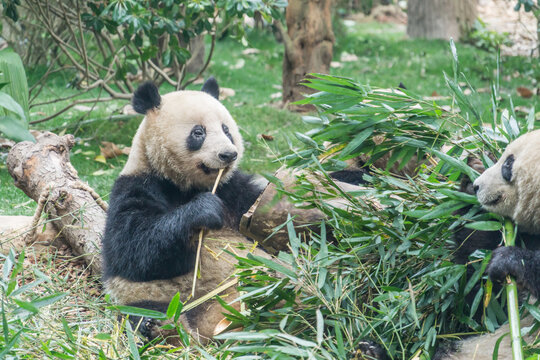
(162, 200)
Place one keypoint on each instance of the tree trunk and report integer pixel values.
(308, 44)
(43, 171)
(440, 19)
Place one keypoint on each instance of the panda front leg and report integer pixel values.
(522, 264)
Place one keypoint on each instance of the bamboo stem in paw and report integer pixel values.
(511, 293)
(199, 246)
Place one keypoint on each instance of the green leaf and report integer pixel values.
(273, 265)
(14, 129)
(484, 225)
(131, 310)
(356, 142)
(12, 72)
(131, 341)
(320, 327)
(444, 209)
(8, 103)
(175, 307)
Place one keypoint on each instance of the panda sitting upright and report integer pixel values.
(162, 200)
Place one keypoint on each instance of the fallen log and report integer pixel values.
(42, 170)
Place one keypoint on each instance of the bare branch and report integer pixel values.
(82, 101)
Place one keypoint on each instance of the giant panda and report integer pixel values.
(162, 199)
(510, 188)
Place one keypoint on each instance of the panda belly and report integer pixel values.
(217, 269)
(213, 252)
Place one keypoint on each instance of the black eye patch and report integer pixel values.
(226, 131)
(196, 138)
(506, 170)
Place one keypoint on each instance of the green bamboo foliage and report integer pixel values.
(13, 97)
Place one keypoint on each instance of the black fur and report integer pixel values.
(226, 131)
(522, 264)
(211, 87)
(145, 98)
(148, 327)
(150, 223)
(506, 170)
(354, 177)
(196, 138)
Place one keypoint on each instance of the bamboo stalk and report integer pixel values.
(201, 233)
(512, 298)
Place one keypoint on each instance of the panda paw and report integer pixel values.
(522, 264)
(367, 349)
(208, 212)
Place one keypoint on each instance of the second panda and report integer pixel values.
(163, 199)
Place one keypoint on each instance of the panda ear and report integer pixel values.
(145, 98)
(211, 87)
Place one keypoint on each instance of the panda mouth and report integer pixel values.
(494, 201)
(208, 170)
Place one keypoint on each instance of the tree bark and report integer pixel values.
(43, 171)
(309, 42)
(440, 19)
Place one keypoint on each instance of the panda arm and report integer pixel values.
(147, 236)
(238, 194)
(522, 264)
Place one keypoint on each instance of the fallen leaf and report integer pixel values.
(239, 64)
(102, 172)
(222, 326)
(128, 110)
(346, 57)
(110, 150)
(100, 159)
(524, 92)
(267, 137)
(276, 95)
(435, 93)
(522, 109)
(225, 93)
(250, 51)
(82, 108)
(199, 81)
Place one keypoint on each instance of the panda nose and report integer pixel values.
(475, 188)
(228, 156)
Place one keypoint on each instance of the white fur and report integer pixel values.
(520, 199)
(160, 142)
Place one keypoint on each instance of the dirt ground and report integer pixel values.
(499, 15)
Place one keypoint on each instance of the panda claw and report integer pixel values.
(369, 350)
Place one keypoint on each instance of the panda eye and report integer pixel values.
(196, 138)
(198, 131)
(506, 170)
(227, 133)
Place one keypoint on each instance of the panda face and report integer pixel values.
(188, 137)
(511, 187)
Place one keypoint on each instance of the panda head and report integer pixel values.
(511, 187)
(186, 136)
